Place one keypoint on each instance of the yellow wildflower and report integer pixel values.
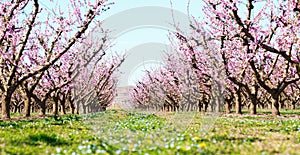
(202, 145)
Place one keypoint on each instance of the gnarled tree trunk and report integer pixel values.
(27, 105)
(6, 99)
(275, 106)
(238, 106)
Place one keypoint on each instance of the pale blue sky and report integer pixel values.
(140, 36)
(181, 5)
(137, 37)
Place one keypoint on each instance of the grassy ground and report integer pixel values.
(120, 132)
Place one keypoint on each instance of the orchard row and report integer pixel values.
(244, 54)
(49, 61)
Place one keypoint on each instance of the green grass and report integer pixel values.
(121, 132)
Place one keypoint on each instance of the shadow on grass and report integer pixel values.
(9, 124)
(52, 140)
(220, 138)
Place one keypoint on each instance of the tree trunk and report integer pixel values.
(6, 98)
(84, 109)
(227, 108)
(55, 106)
(32, 108)
(205, 106)
(89, 108)
(15, 108)
(293, 106)
(199, 106)
(219, 103)
(253, 108)
(253, 105)
(77, 107)
(72, 109)
(63, 106)
(238, 106)
(42, 108)
(275, 107)
(27, 107)
(188, 107)
(282, 104)
(19, 109)
(72, 106)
